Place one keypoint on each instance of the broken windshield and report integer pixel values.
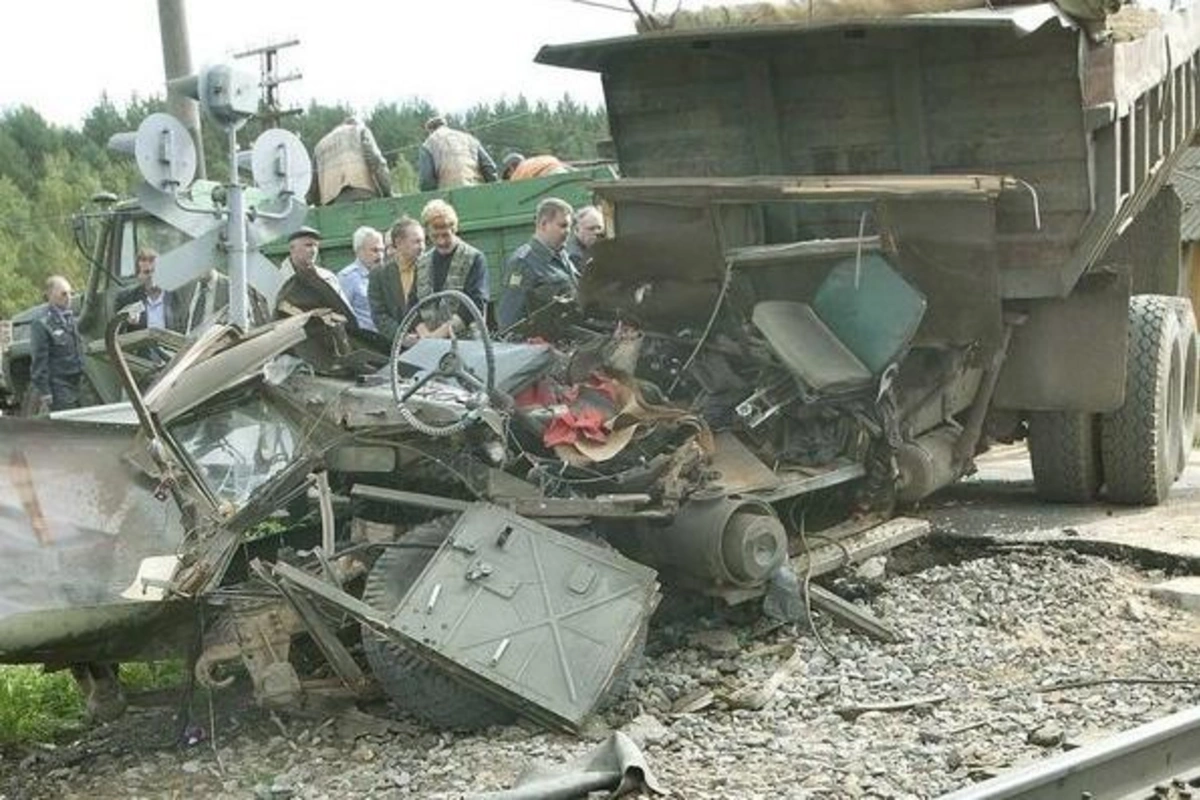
(239, 446)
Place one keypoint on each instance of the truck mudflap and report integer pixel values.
(537, 620)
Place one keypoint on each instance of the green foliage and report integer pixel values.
(149, 675)
(37, 706)
(47, 172)
(34, 706)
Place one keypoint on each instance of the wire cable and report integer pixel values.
(804, 588)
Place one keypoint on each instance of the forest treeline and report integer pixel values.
(49, 172)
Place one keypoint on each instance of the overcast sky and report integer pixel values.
(58, 56)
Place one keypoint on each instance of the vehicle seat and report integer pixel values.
(862, 317)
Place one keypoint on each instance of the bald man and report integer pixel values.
(56, 350)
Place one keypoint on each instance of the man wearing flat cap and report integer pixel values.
(310, 285)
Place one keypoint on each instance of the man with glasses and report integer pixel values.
(56, 350)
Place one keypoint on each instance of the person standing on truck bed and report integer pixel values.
(539, 272)
(368, 255)
(450, 264)
(450, 158)
(159, 308)
(392, 289)
(518, 168)
(350, 166)
(56, 350)
(588, 227)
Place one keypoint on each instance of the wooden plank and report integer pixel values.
(1141, 142)
(1154, 115)
(777, 188)
(827, 557)
(908, 108)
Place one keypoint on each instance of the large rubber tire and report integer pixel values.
(1139, 441)
(1190, 350)
(1064, 449)
(413, 685)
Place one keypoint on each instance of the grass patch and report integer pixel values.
(36, 706)
(148, 675)
(40, 706)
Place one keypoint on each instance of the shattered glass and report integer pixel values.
(239, 448)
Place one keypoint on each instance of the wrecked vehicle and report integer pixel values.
(762, 367)
(1053, 311)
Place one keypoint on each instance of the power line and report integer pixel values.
(598, 4)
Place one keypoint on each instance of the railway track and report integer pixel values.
(1160, 759)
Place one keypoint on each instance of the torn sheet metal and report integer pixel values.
(191, 381)
(616, 764)
(76, 523)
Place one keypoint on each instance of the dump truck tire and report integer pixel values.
(1139, 441)
(1064, 449)
(413, 685)
(1190, 349)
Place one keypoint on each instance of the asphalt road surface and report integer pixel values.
(999, 501)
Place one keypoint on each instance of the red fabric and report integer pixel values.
(586, 408)
(569, 427)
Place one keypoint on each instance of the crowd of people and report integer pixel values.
(387, 278)
(388, 275)
(424, 256)
(350, 166)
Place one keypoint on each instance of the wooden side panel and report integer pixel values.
(870, 101)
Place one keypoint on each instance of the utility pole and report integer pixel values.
(177, 62)
(271, 110)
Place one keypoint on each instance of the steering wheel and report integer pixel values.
(451, 367)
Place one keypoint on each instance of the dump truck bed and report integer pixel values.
(1093, 128)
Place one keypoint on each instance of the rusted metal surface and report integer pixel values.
(76, 523)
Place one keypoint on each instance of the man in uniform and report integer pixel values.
(539, 271)
(350, 166)
(450, 264)
(368, 255)
(450, 158)
(393, 287)
(588, 227)
(56, 350)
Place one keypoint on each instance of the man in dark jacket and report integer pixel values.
(56, 350)
(539, 271)
(392, 288)
(159, 307)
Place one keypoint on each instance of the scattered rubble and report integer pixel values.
(1053, 618)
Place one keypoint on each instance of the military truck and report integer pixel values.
(496, 218)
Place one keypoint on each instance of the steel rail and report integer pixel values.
(1142, 762)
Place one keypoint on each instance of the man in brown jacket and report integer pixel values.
(350, 166)
(450, 158)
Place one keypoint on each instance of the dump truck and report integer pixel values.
(1005, 162)
(849, 254)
